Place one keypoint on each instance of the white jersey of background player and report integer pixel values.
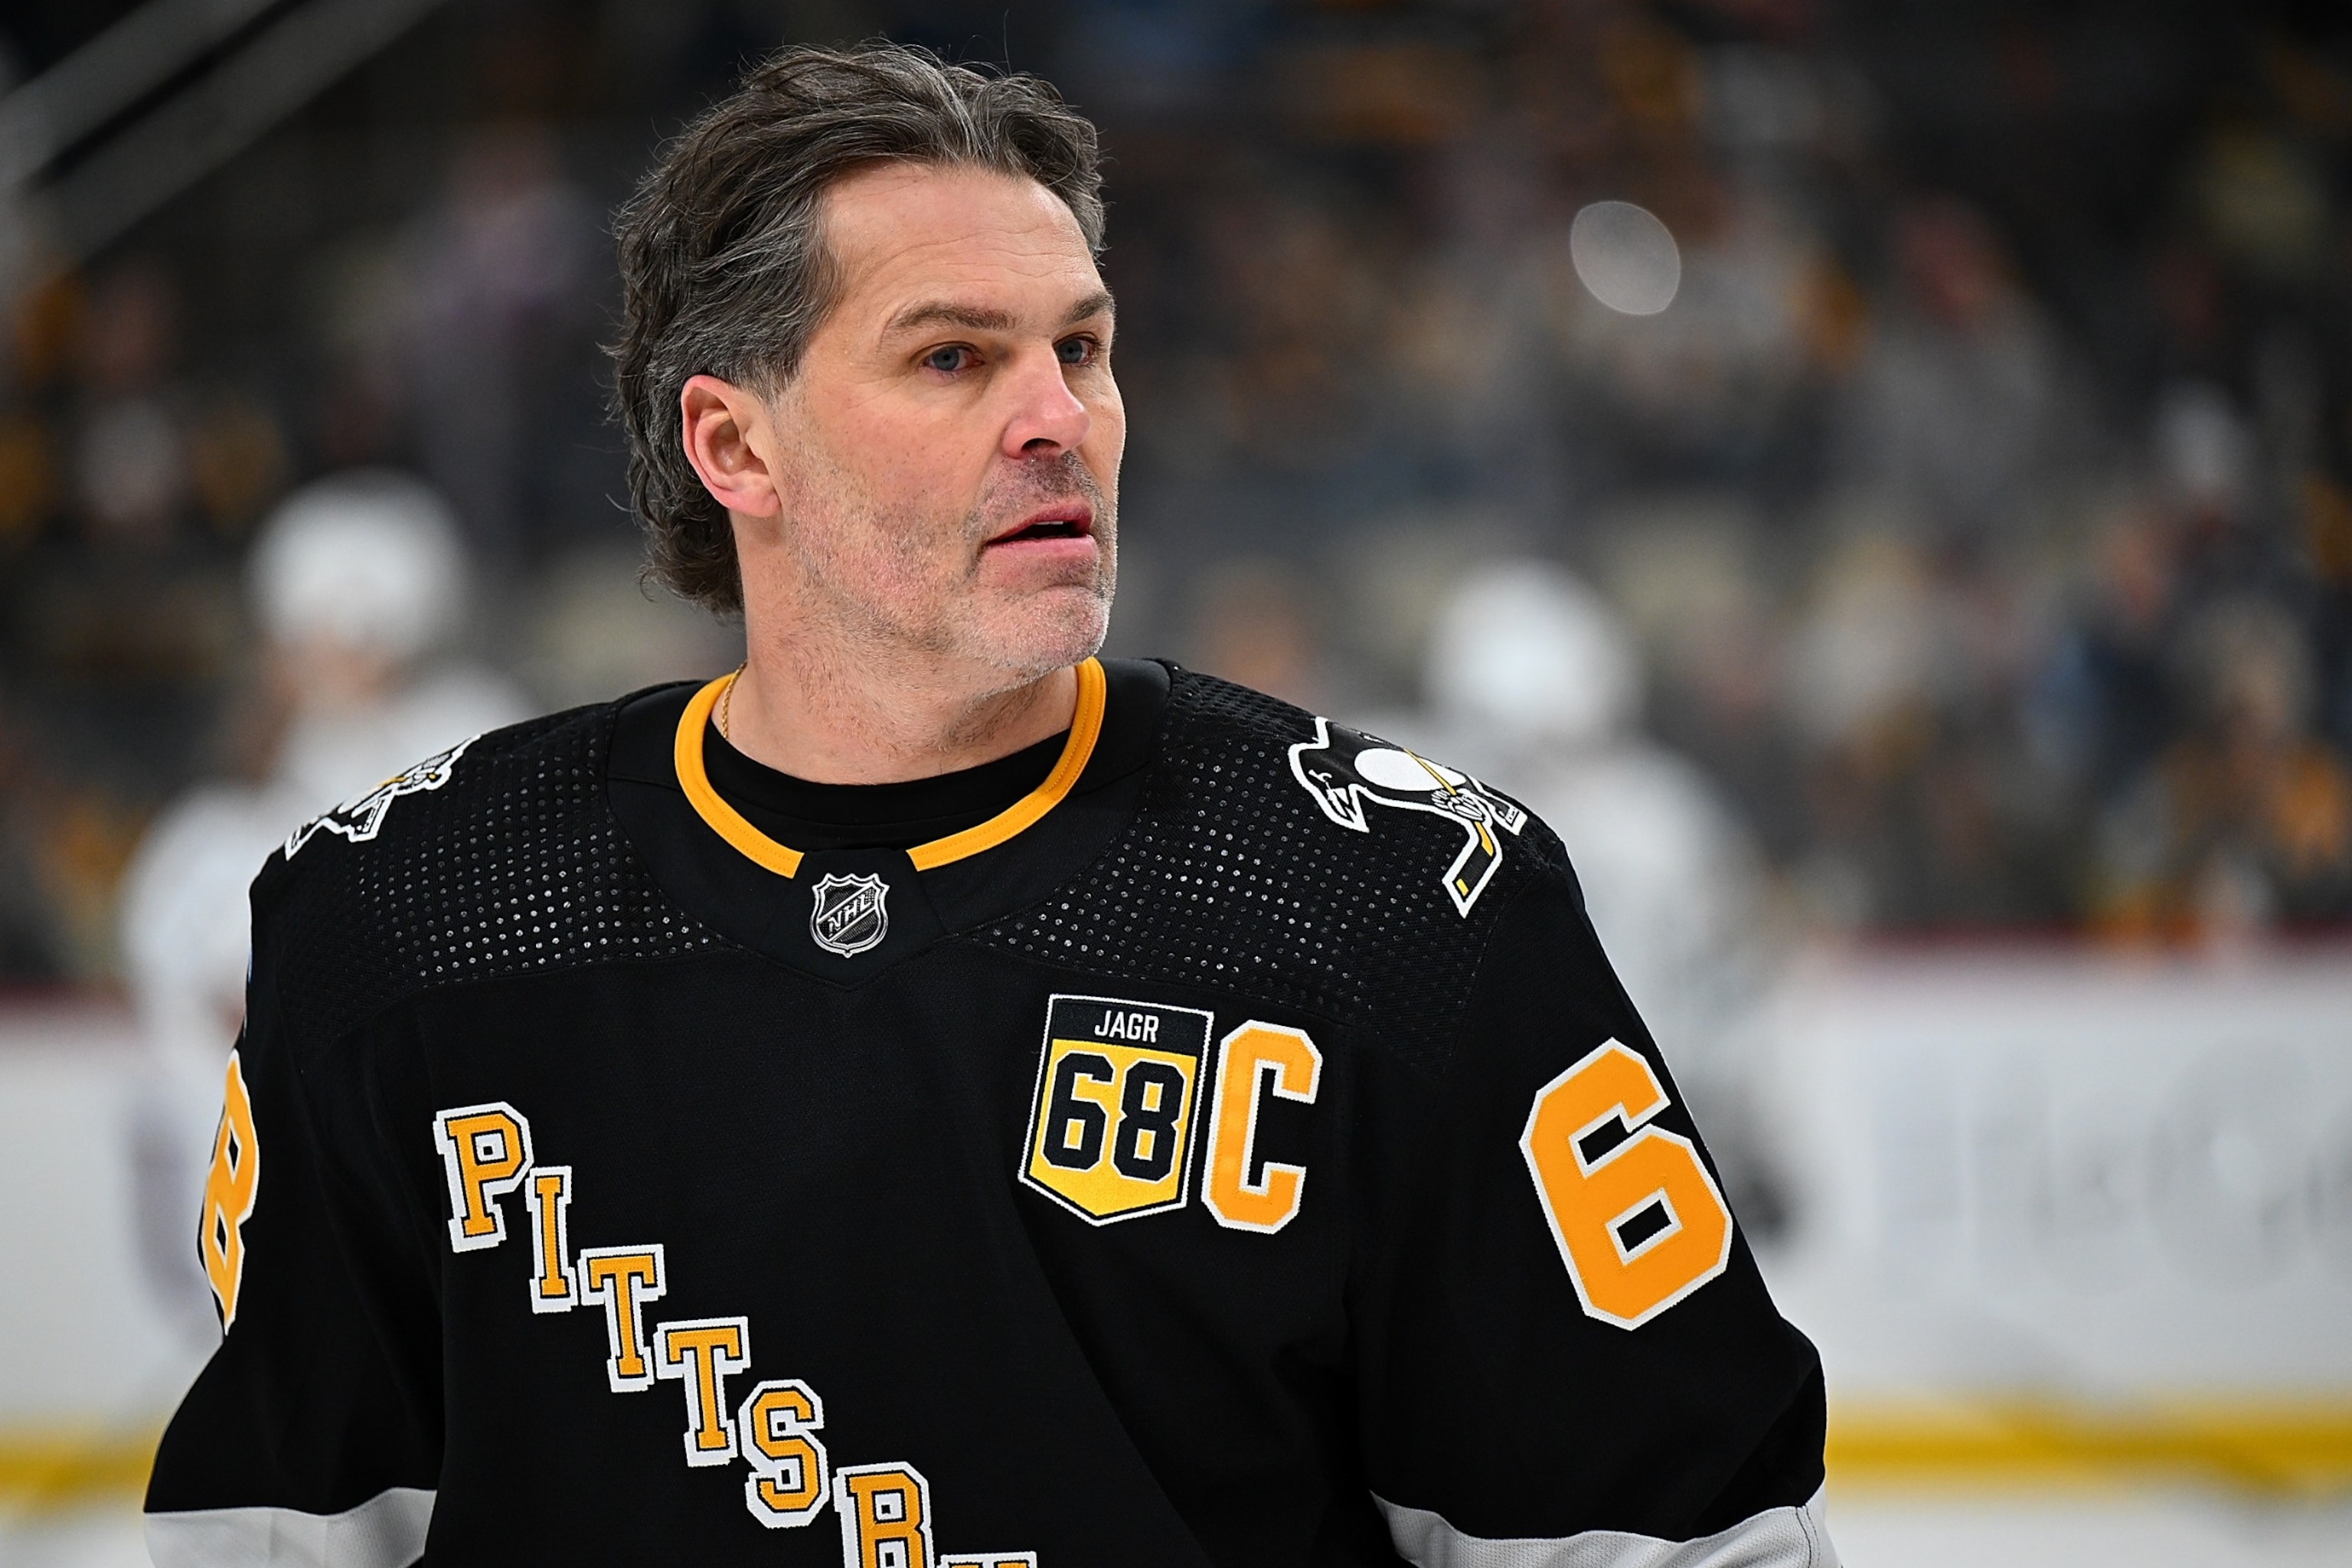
(1534, 683)
(359, 585)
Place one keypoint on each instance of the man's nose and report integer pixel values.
(1047, 418)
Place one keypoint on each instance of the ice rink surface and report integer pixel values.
(2120, 1531)
(1871, 1531)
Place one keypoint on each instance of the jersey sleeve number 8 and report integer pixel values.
(1641, 1224)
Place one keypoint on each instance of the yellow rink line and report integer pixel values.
(2300, 1450)
(2283, 1448)
(58, 1468)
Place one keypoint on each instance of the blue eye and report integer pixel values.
(947, 361)
(1075, 350)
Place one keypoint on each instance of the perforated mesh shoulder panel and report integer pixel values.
(1230, 876)
(514, 864)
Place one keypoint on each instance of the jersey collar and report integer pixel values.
(1086, 728)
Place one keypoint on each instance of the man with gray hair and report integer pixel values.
(933, 1096)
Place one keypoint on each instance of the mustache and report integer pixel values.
(1036, 481)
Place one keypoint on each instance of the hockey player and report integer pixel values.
(1531, 677)
(358, 585)
(934, 1097)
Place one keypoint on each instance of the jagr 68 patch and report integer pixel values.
(1110, 1126)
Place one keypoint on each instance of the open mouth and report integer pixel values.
(1058, 522)
(1045, 530)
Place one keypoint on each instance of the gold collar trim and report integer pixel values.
(1086, 728)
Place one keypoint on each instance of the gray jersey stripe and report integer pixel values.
(1777, 1538)
(386, 1531)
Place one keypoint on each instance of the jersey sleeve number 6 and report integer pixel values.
(1640, 1223)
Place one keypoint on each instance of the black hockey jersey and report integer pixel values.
(1237, 1152)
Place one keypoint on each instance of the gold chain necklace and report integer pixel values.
(727, 702)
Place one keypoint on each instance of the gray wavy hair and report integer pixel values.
(724, 270)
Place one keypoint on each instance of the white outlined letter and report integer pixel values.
(1247, 1059)
(624, 1278)
(553, 1286)
(699, 1353)
(486, 1150)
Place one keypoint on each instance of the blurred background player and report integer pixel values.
(360, 588)
(1534, 684)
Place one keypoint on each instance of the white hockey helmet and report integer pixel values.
(369, 558)
(1525, 652)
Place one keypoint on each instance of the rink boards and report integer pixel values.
(2071, 1214)
(2063, 1217)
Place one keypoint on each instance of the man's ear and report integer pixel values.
(727, 434)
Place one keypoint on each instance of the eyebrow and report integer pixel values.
(980, 319)
(1098, 303)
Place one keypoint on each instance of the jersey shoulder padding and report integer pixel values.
(495, 858)
(1287, 858)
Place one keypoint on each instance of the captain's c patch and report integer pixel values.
(1110, 1128)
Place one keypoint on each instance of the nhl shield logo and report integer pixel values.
(852, 914)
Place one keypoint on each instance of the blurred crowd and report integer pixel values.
(1977, 505)
(1970, 532)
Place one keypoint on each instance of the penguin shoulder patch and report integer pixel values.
(361, 817)
(1349, 772)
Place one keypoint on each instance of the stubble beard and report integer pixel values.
(888, 604)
